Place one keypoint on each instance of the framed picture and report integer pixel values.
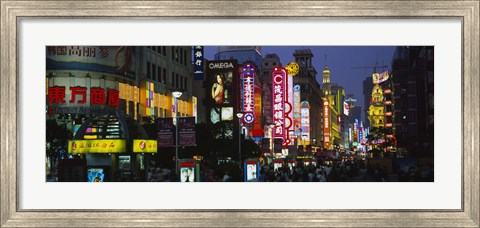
(27, 27)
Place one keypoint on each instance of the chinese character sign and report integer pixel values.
(198, 62)
(297, 118)
(278, 100)
(248, 88)
(186, 131)
(305, 122)
(326, 124)
(78, 95)
(115, 60)
(165, 132)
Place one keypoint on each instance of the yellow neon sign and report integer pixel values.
(97, 146)
(144, 146)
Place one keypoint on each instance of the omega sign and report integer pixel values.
(221, 65)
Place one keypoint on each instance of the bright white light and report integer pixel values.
(176, 94)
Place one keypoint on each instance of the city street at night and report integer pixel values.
(239, 114)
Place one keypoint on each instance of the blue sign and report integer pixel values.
(248, 118)
(198, 62)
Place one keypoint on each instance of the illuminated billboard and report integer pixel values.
(252, 171)
(297, 116)
(95, 175)
(279, 75)
(97, 146)
(346, 108)
(305, 121)
(326, 124)
(257, 130)
(220, 77)
(187, 171)
(114, 60)
(221, 98)
(144, 146)
(380, 77)
(248, 90)
(198, 61)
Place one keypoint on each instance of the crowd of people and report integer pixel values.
(338, 171)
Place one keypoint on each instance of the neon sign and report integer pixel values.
(326, 124)
(248, 92)
(279, 75)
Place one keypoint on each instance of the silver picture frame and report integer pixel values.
(13, 11)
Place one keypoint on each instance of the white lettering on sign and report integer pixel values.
(278, 101)
(220, 65)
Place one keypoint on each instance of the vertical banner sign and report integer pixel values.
(186, 131)
(248, 73)
(198, 62)
(360, 134)
(221, 98)
(288, 106)
(305, 113)
(326, 124)
(165, 132)
(257, 123)
(297, 117)
(355, 130)
(278, 100)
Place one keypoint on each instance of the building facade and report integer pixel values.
(311, 92)
(107, 92)
(413, 77)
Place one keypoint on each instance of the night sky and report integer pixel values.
(340, 61)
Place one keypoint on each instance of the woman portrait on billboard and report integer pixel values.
(218, 89)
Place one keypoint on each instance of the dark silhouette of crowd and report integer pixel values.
(332, 171)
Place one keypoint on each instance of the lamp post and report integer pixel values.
(240, 115)
(176, 95)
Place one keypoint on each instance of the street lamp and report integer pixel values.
(176, 95)
(240, 115)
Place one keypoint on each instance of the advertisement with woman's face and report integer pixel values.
(251, 172)
(221, 92)
(187, 174)
(277, 165)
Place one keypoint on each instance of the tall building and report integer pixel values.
(268, 62)
(242, 54)
(310, 91)
(164, 69)
(355, 113)
(367, 95)
(106, 92)
(376, 110)
(413, 76)
(338, 94)
(337, 97)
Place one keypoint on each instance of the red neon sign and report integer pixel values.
(279, 75)
(56, 95)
